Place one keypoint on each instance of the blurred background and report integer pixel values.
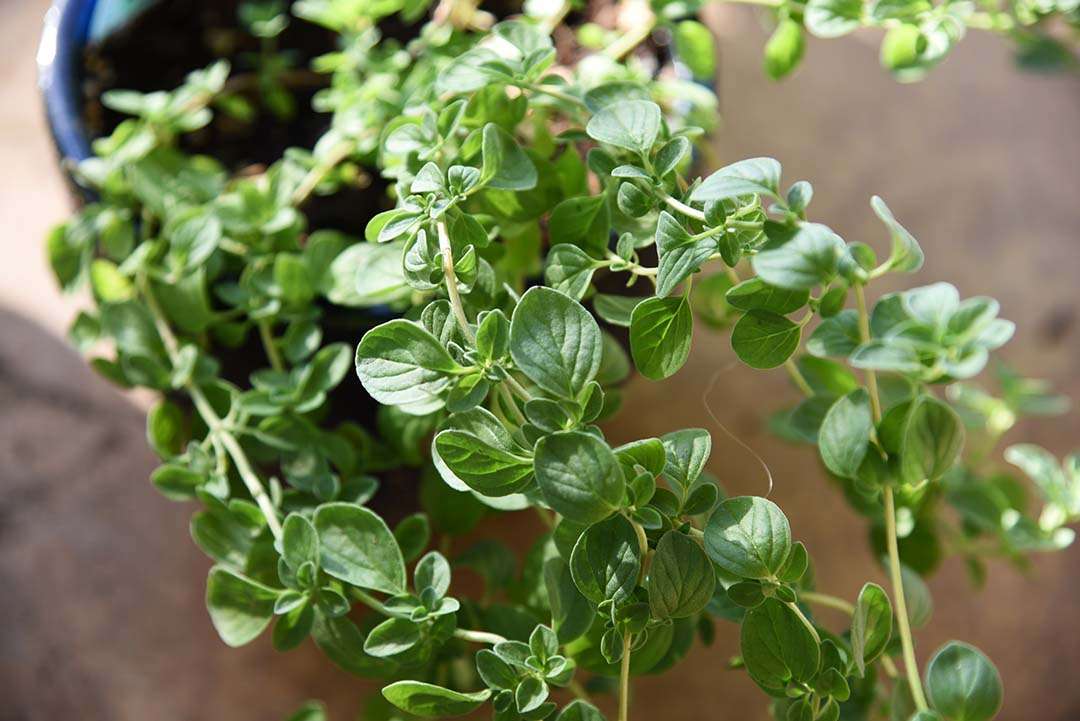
(101, 589)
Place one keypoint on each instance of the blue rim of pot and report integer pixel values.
(67, 27)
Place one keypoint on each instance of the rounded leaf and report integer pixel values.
(963, 684)
(749, 537)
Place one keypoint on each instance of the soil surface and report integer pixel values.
(101, 589)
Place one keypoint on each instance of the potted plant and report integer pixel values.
(428, 284)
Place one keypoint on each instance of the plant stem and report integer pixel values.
(267, 336)
(627, 42)
(463, 633)
(211, 418)
(447, 253)
(806, 621)
(797, 377)
(864, 334)
(553, 21)
(578, 690)
(907, 644)
(557, 94)
(824, 599)
(683, 207)
(839, 604)
(478, 636)
(624, 680)
(315, 176)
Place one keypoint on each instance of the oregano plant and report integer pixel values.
(546, 232)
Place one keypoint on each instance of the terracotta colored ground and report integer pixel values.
(101, 590)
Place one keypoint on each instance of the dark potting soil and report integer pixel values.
(163, 43)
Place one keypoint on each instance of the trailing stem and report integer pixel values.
(212, 420)
(907, 644)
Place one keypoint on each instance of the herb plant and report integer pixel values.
(505, 168)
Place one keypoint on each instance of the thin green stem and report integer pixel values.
(683, 207)
(824, 599)
(315, 176)
(839, 604)
(907, 643)
(464, 634)
(553, 21)
(797, 377)
(624, 679)
(267, 336)
(210, 417)
(806, 621)
(557, 94)
(864, 334)
(630, 40)
(451, 282)
(578, 690)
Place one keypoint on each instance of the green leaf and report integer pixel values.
(579, 476)
(616, 309)
(809, 259)
(931, 440)
(835, 337)
(687, 452)
(917, 598)
(694, 46)
(430, 701)
(906, 255)
(487, 467)
(756, 294)
(299, 542)
(871, 625)
(765, 340)
(844, 437)
(357, 547)
(505, 164)
(630, 124)
(412, 533)
(832, 18)
(784, 49)
(777, 646)
(569, 270)
(963, 684)
(579, 710)
(680, 255)
(401, 364)
(606, 561)
(555, 342)
(165, 429)
(661, 330)
(239, 608)
(571, 613)
(749, 537)
(755, 176)
(681, 577)
(584, 222)
(392, 637)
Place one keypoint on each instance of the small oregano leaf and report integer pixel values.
(239, 607)
(844, 437)
(660, 333)
(431, 701)
(963, 684)
(749, 537)
(606, 561)
(871, 625)
(357, 547)
(555, 342)
(579, 476)
(681, 577)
